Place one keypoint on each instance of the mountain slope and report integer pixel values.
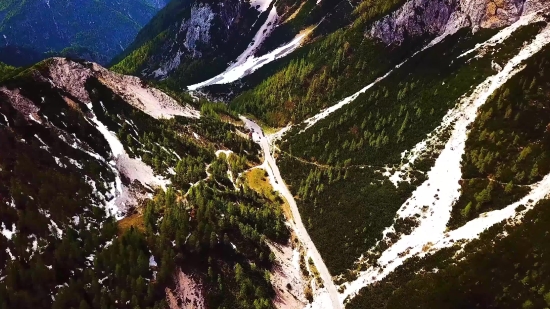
(377, 152)
(74, 28)
(378, 115)
(345, 61)
(185, 40)
(516, 98)
(68, 180)
(410, 167)
(231, 37)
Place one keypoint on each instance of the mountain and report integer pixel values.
(83, 148)
(83, 28)
(368, 154)
(210, 35)
(190, 41)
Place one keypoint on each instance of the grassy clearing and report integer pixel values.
(135, 220)
(257, 180)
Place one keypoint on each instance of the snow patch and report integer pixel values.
(260, 5)
(505, 33)
(58, 161)
(5, 119)
(264, 31)
(226, 152)
(8, 233)
(133, 169)
(152, 262)
(31, 117)
(54, 229)
(44, 145)
(251, 64)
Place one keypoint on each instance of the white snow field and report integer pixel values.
(252, 63)
(260, 5)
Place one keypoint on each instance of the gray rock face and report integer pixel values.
(535, 5)
(200, 34)
(198, 26)
(414, 18)
(434, 17)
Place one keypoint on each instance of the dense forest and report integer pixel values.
(344, 208)
(401, 110)
(61, 247)
(336, 167)
(505, 153)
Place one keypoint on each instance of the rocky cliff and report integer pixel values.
(203, 36)
(434, 17)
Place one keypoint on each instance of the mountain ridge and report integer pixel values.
(57, 27)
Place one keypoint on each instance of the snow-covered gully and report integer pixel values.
(247, 63)
(133, 169)
(441, 189)
(326, 297)
(506, 32)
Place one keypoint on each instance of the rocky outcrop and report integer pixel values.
(187, 294)
(201, 31)
(71, 77)
(197, 27)
(535, 5)
(434, 17)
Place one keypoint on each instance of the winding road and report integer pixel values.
(299, 228)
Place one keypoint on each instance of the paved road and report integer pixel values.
(299, 228)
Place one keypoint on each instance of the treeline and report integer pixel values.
(6, 71)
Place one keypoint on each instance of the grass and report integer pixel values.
(257, 180)
(135, 220)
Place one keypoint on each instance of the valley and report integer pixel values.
(283, 154)
(296, 222)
